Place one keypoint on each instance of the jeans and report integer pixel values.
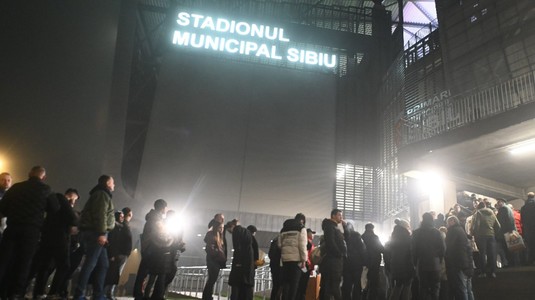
(460, 285)
(96, 261)
(213, 273)
(487, 253)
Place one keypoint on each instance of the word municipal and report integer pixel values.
(239, 37)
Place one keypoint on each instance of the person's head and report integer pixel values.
(5, 181)
(500, 202)
(400, 231)
(301, 218)
(231, 225)
(310, 234)
(336, 216)
(128, 214)
(160, 206)
(107, 182)
(369, 227)
(218, 227)
(37, 172)
(119, 216)
(219, 218)
(457, 208)
(433, 214)
(252, 229)
(403, 223)
(427, 220)
(475, 202)
(531, 195)
(440, 217)
(481, 205)
(72, 196)
(452, 221)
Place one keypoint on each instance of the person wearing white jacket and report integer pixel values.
(293, 245)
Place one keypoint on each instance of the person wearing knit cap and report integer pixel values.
(403, 223)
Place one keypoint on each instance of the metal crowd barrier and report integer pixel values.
(190, 281)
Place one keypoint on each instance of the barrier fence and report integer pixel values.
(190, 281)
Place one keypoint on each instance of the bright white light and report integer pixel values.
(199, 235)
(176, 224)
(431, 182)
(522, 148)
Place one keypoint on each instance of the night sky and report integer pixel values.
(56, 67)
(258, 139)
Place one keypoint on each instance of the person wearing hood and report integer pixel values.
(375, 249)
(353, 265)
(241, 277)
(485, 225)
(154, 219)
(96, 220)
(527, 213)
(398, 260)
(459, 262)
(428, 250)
(333, 251)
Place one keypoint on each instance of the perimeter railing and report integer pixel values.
(437, 116)
(190, 281)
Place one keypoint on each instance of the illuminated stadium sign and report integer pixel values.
(243, 38)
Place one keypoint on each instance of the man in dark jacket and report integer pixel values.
(96, 221)
(527, 213)
(275, 268)
(428, 252)
(459, 263)
(333, 251)
(24, 205)
(374, 248)
(55, 243)
(241, 277)
(154, 217)
(353, 266)
(507, 222)
(60, 283)
(120, 246)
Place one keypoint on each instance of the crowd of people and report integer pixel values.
(436, 261)
(43, 234)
